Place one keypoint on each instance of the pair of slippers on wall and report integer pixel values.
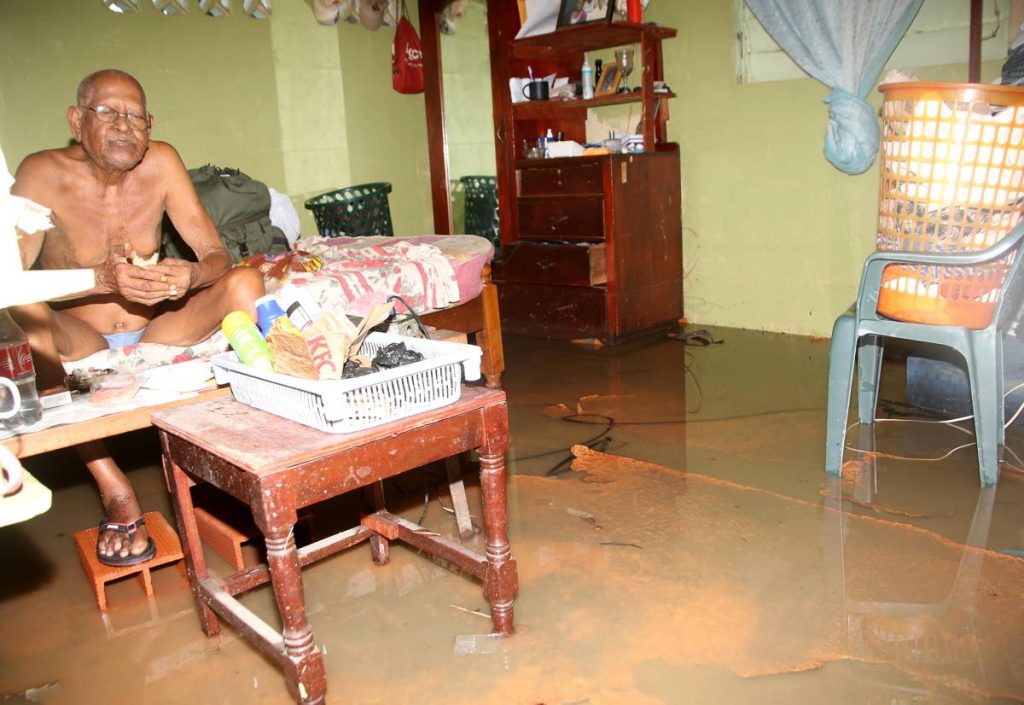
(369, 14)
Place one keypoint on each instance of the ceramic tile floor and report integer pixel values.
(722, 569)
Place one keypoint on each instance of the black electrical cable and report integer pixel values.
(610, 422)
(423, 328)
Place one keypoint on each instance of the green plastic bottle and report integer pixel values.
(246, 340)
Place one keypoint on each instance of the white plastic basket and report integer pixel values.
(346, 405)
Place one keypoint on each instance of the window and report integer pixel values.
(938, 35)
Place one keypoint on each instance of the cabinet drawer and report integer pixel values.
(561, 219)
(543, 181)
(573, 265)
(563, 312)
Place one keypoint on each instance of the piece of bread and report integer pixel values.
(140, 261)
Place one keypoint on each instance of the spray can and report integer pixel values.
(299, 305)
(246, 341)
(588, 80)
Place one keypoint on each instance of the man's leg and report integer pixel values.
(198, 315)
(54, 335)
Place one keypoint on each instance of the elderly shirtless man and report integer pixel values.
(108, 193)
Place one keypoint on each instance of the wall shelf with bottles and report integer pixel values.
(561, 52)
(538, 109)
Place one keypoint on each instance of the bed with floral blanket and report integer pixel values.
(443, 278)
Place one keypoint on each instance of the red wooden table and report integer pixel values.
(277, 467)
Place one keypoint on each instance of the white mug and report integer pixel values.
(15, 398)
(12, 474)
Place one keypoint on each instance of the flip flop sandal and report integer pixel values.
(700, 338)
(130, 529)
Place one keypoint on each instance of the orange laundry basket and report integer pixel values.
(951, 179)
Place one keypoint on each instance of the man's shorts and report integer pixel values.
(119, 340)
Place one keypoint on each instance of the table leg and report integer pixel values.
(188, 531)
(501, 580)
(380, 549)
(305, 676)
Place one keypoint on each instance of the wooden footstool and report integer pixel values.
(168, 550)
(223, 538)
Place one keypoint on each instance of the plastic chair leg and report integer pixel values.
(869, 372)
(986, 395)
(1001, 389)
(840, 384)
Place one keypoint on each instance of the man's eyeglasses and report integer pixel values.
(110, 116)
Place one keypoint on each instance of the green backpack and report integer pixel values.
(240, 210)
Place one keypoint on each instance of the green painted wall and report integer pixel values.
(209, 82)
(311, 109)
(774, 235)
(387, 131)
(304, 107)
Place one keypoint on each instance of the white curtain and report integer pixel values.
(844, 44)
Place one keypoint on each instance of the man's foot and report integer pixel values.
(115, 545)
(124, 544)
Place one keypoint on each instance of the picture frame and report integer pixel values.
(577, 12)
(608, 84)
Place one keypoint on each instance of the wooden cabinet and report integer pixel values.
(591, 246)
(604, 265)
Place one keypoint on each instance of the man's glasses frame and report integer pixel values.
(109, 116)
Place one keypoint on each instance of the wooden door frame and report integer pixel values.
(433, 94)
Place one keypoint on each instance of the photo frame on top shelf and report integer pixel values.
(577, 12)
(608, 84)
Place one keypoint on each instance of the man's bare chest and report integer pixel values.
(91, 229)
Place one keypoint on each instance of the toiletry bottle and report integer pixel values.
(269, 310)
(246, 341)
(299, 305)
(588, 80)
(548, 139)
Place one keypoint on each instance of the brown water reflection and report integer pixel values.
(705, 561)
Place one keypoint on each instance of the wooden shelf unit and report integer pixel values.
(591, 246)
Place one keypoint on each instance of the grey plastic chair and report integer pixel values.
(858, 334)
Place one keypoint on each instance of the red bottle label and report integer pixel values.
(16, 360)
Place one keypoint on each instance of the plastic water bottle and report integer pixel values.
(588, 80)
(246, 341)
(16, 365)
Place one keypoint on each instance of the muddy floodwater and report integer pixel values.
(677, 542)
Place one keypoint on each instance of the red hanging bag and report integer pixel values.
(406, 57)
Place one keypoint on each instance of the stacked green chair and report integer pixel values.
(481, 194)
(353, 211)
